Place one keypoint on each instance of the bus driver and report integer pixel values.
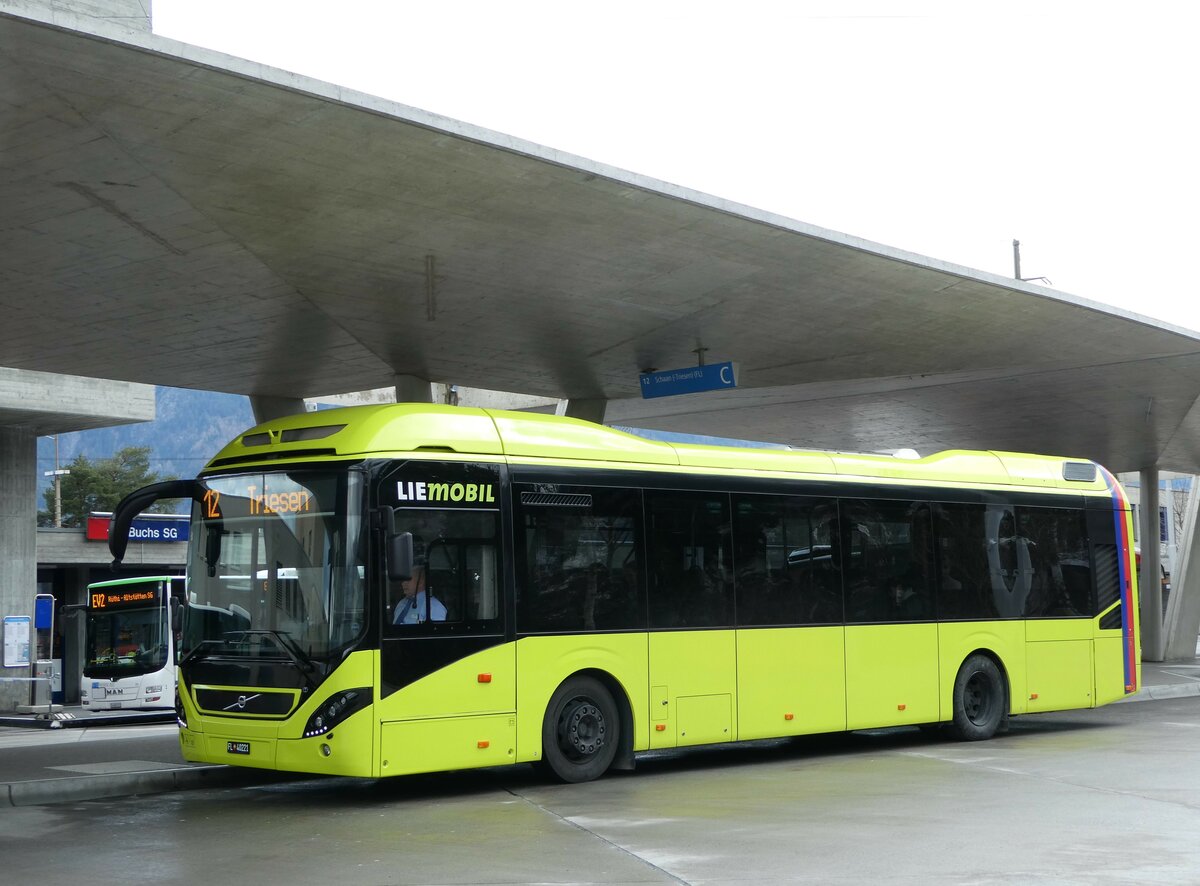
(412, 609)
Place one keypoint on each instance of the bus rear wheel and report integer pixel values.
(581, 731)
(979, 699)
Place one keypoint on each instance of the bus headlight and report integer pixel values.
(335, 709)
(180, 715)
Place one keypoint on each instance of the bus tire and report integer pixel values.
(581, 731)
(980, 701)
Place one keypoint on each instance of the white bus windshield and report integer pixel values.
(276, 560)
(127, 642)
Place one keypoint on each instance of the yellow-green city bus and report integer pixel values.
(385, 590)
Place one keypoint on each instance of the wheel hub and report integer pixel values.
(582, 729)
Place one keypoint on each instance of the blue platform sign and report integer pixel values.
(43, 612)
(692, 380)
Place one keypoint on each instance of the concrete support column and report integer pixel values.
(1150, 579)
(18, 541)
(271, 408)
(410, 389)
(1183, 610)
(588, 410)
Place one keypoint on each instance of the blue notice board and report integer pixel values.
(16, 641)
(692, 380)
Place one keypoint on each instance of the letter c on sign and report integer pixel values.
(724, 378)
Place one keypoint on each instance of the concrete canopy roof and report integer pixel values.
(43, 403)
(177, 216)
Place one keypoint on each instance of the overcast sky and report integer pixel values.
(945, 128)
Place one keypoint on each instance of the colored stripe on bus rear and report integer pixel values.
(1120, 509)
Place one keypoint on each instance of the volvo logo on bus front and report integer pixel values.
(240, 704)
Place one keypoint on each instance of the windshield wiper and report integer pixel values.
(201, 650)
(282, 641)
(286, 644)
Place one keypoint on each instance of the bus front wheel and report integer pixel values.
(581, 730)
(979, 699)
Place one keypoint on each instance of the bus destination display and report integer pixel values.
(123, 597)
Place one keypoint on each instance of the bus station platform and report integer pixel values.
(74, 717)
(104, 756)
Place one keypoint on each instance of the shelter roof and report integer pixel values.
(172, 215)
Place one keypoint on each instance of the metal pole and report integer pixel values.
(57, 488)
(58, 474)
(1017, 259)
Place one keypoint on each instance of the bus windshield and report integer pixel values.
(125, 643)
(276, 565)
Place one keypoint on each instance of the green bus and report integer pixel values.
(386, 590)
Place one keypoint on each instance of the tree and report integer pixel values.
(99, 485)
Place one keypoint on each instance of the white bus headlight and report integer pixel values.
(335, 709)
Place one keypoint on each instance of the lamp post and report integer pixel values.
(57, 474)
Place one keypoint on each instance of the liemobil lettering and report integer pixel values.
(419, 490)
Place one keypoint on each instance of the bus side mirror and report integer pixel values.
(176, 615)
(399, 555)
(138, 500)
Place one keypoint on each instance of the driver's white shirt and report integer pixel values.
(411, 611)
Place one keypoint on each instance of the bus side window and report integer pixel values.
(578, 561)
(1060, 564)
(458, 584)
(783, 559)
(888, 559)
(964, 548)
(690, 546)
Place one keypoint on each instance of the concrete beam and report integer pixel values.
(454, 395)
(410, 389)
(270, 408)
(47, 403)
(588, 410)
(126, 17)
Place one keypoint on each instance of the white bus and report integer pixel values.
(129, 657)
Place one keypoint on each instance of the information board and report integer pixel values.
(16, 641)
